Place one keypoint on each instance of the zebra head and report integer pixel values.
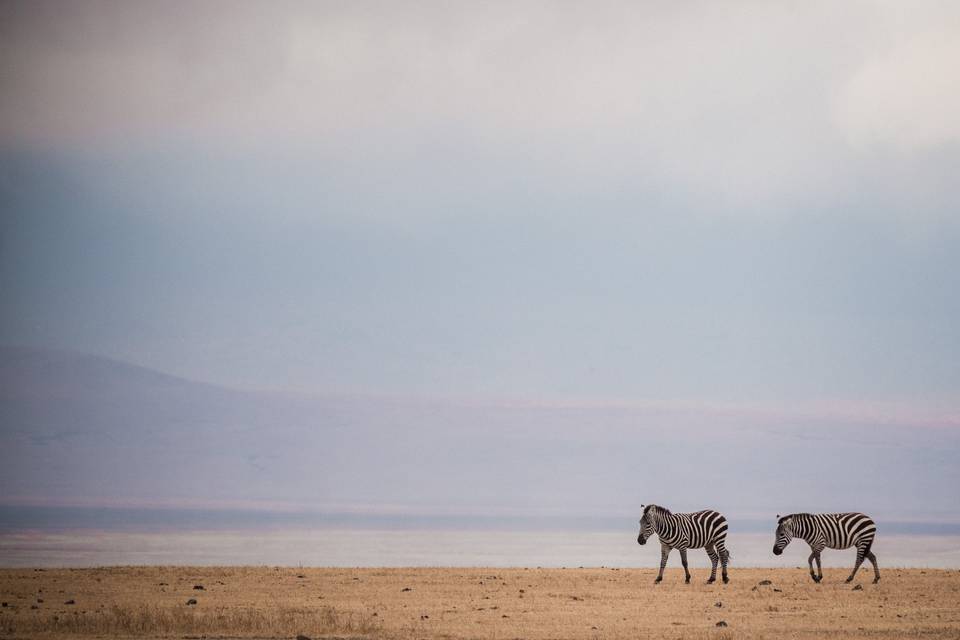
(648, 523)
(784, 534)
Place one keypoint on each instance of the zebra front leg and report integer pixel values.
(664, 552)
(712, 552)
(724, 559)
(861, 551)
(683, 559)
(876, 570)
(814, 555)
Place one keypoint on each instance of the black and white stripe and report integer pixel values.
(833, 530)
(701, 530)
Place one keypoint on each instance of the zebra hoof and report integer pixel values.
(711, 580)
(658, 581)
(816, 579)
(849, 580)
(876, 580)
(726, 580)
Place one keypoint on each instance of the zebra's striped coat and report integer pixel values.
(829, 530)
(699, 530)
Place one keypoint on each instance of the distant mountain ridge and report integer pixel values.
(30, 368)
(81, 429)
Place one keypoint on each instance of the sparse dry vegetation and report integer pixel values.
(149, 621)
(472, 603)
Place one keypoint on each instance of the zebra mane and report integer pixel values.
(658, 509)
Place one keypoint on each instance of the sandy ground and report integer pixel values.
(474, 603)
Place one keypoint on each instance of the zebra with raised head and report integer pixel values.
(833, 530)
(700, 530)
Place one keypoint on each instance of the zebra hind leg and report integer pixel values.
(714, 558)
(724, 560)
(876, 570)
(861, 552)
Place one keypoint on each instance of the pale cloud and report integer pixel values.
(907, 98)
(747, 107)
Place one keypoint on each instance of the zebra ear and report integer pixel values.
(778, 516)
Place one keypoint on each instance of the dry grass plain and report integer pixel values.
(450, 603)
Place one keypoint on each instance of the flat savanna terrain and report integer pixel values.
(474, 603)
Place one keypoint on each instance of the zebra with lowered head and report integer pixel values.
(701, 530)
(833, 530)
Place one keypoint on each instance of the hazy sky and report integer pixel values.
(748, 203)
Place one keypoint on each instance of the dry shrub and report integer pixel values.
(150, 620)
